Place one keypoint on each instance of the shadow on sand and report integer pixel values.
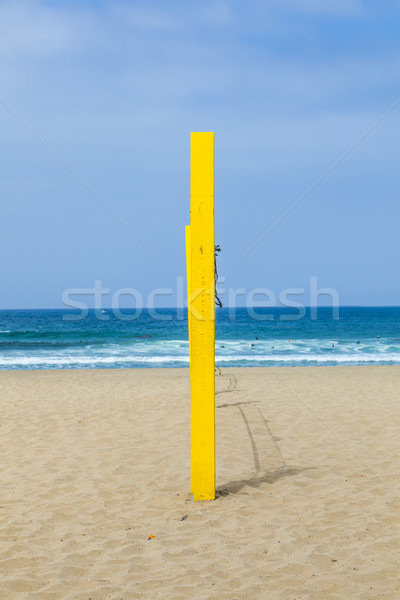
(261, 475)
(233, 487)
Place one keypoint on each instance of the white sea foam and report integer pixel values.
(237, 359)
(151, 352)
(87, 360)
(309, 358)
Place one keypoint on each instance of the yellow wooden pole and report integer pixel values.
(188, 276)
(189, 287)
(202, 319)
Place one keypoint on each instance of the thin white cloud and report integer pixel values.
(144, 17)
(174, 15)
(340, 8)
(151, 84)
(215, 12)
(31, 29)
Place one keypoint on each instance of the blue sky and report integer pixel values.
(114, 88)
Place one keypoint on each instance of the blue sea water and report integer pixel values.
(49, 339)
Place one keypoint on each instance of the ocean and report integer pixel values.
(55, 339)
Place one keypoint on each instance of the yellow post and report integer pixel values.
(202, 320)
(188, 285)
(188, 276)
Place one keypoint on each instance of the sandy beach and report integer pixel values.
(96, 461)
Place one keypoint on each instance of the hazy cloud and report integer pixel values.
(116, 88)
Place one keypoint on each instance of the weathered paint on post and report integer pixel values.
(202, 320)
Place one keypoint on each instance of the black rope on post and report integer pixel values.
(217, 250)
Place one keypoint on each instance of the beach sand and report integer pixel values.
(93, 462)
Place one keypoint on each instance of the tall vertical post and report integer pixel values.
(189, 288)
(188, 277)
(202, 320)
